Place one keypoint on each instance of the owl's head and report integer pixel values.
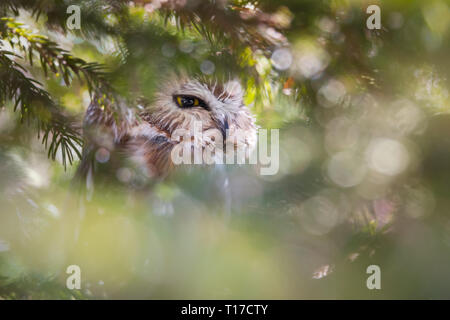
(218, 105)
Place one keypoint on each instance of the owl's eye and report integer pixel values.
(189, 102)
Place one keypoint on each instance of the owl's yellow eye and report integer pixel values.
(189, 102)
(180, 104)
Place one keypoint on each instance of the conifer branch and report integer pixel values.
(59, 131)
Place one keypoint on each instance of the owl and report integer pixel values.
(148, 141)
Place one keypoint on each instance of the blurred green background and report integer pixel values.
(364, 174)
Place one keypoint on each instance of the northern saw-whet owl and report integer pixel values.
(148, 140)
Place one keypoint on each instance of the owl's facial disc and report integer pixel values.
(186, 101)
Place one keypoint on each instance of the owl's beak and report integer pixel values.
(223, 127)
